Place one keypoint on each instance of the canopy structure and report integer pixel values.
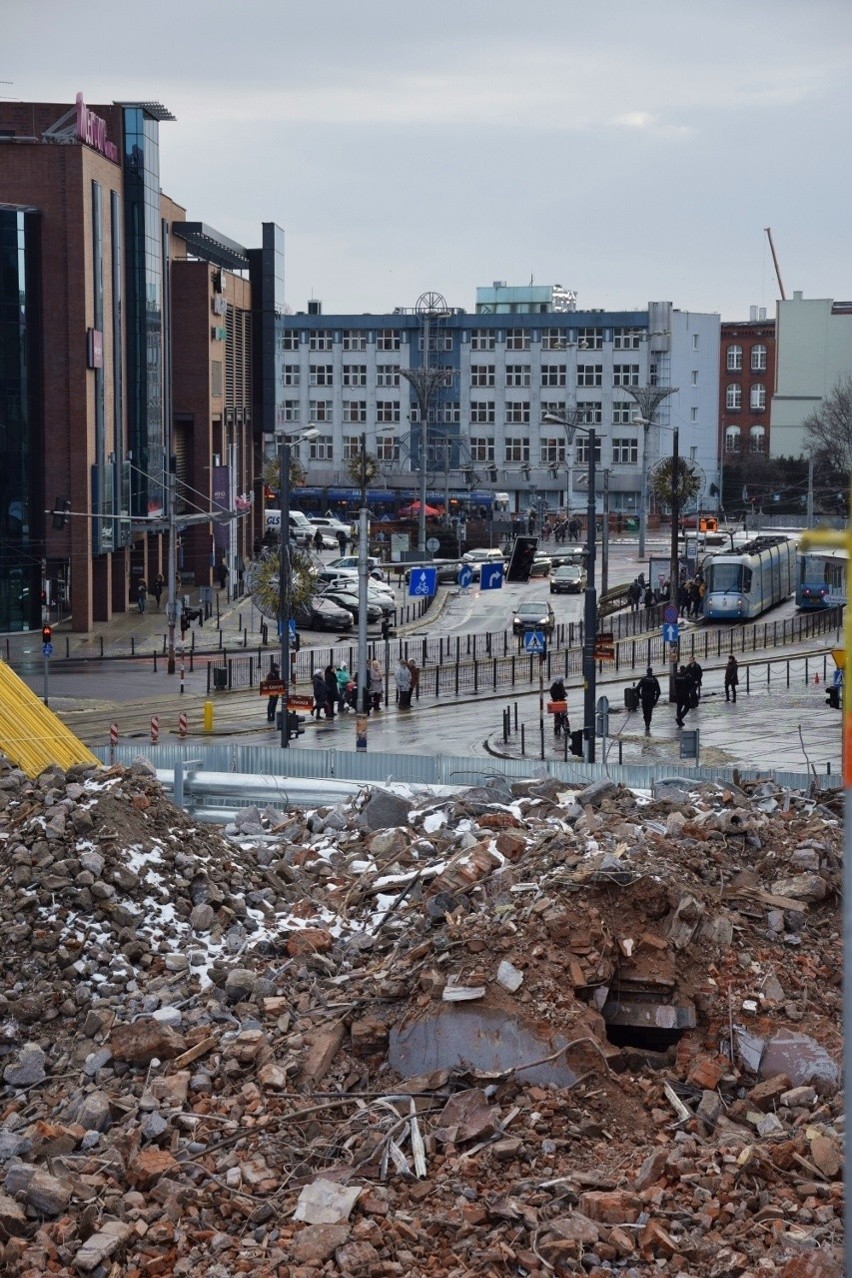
(431, 512)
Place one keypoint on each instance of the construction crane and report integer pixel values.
(768, 230)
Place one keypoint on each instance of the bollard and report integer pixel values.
(208, 716)
(523, 745)
(133, 645)
(182, 674)
(155, 729)
(155, 661)
(516, 716)
(113, 741)
(102, 644)
(182, 725)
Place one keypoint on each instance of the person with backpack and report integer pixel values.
(649, 692)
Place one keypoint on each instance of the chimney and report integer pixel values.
(314, 307)
(752, 314)
(761, 314)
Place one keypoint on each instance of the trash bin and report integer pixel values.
(631, 699)
(220, 678)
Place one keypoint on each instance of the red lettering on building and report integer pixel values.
(92, 130)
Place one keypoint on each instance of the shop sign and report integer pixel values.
(92, 130)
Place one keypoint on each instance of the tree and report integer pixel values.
(663, 487)
(828, 433)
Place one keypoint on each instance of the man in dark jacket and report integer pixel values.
(682, 691)
(648, 688)
(696, 674)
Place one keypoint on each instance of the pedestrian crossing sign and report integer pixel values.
(535, 642)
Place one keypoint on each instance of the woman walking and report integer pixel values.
(320, 698)
(732, 678)
(402, 674)
(415, 679)
(375, 684)
(330, 690)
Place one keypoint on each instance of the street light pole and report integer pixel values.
(590, 612)
(643, 492)
(284, 583)
(674, 563)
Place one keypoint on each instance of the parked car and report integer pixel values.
(567, 555)
(350, 562)
(541, 565)
(570, 579)
(533, 614)
(322, 614)
(348, 599)
(448, 571)
(327, 524)
(482, 555)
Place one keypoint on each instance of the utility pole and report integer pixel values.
(605, 535)
(362, 703)
(590, 613)
(284, 584)
(674, 562)
(647, 400)
(173, 605)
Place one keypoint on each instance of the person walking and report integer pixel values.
(318, 541)
(222, 573)
(732, 678)
(415, 678)
(272, 703)
(375, 684)
(330, 678)
(682, 691)
(560, 717)
(320, 699)
(341, 541)
(402, 675)
(344, 678)
(696, 674)
(142, 594)
(649, 692)
(159, 586)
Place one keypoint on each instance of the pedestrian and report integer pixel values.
(696, 674)
(344, 678)
(318, 541)
(320, 700)
(141, 594)
(159, 586)
(634, 594)
(415, 678)
(682, 691)
(648, 689)
(375, 684)
(402, 674)
(341, 541)
(732, 678)
(560, 717)
(272, 703)
(222, 573)
(649, 597)
(330, 690)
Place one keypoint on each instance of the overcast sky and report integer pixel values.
(630, 151)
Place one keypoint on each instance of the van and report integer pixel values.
(300, 530)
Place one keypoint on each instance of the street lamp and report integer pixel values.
(590, 610)
(647, 399)
(284, 442)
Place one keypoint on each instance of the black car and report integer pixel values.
(348, 599)
(321, 614)
(533, 614)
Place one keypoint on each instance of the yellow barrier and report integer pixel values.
(30, 733)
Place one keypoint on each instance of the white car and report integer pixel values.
(349, 563)
(327, 524)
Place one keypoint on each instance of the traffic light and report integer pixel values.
(521, 562)
(46, 634)
(60, 518)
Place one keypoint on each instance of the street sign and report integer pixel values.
(690, 744)
(491, 577)
(47, 649)
(671, 634)
(433, 545)
(271, 688)
(292, 631)
(670, 614)
(605, 646)
(422, 583)
(602, 717)
(465, 577)
(535, 642)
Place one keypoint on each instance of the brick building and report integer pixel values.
(746, 382)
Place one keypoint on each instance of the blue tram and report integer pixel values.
(821, 578)
(742, 584)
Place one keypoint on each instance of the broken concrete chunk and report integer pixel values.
(324, 1202)
(109, 1239)
(509, 976)
(43, 1194)
(802, 887)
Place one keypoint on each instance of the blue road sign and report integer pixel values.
(535, 642)
(491, 577)
(422, 583)
(670, 614)
(465, 577)
(671, 633)
(292, 630)
(47, 649)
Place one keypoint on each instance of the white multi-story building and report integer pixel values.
(813, 353)
(524, 354)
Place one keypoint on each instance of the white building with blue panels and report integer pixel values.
(523, 354)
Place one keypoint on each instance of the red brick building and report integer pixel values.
(746, 382)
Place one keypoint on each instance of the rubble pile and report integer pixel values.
(515, 1030)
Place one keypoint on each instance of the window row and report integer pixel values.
(481, 339)
(481, 413)
(734, 440)
(734, 398)
(481, 375)
(516, 450)
(734, 359)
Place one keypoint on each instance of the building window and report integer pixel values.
(387, 339)
(321, 341)
(555, 407)
(216, 378)
(590, 339)
(351, 447)
(757, 439)
(290, 339)
(732, 439)
(553, 339)
(625, 375)
(322, 449)
(552, 452)
(481, 449)
(482, 339)
(448, 414)
(758, 359)
(291, 410)
(734, 398)
(322, 375)
(693, 414)
(354, 339)
(590, 374)
(581, 453)
(518, 450)
(322, 410)
(481, 412)
(554, 375)
(695, 341)
(517, 375)
(387, 410)
(437, 342)
(623, 412)
(694, 377)
(482, 374)
(355, 410)
(291, 374)
(757, 400)
(387, 375)
(517, 339)
(354, 374)
(734, 358)
(518, 414)
(387, 448)
(589, 413)
(625, 452)
(626, 339)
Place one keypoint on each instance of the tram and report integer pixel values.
(821, 578)
(741, 585)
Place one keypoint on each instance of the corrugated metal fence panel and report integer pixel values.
(432, 769)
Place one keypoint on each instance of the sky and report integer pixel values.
(629, 151)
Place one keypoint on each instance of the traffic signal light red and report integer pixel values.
(46, 634)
